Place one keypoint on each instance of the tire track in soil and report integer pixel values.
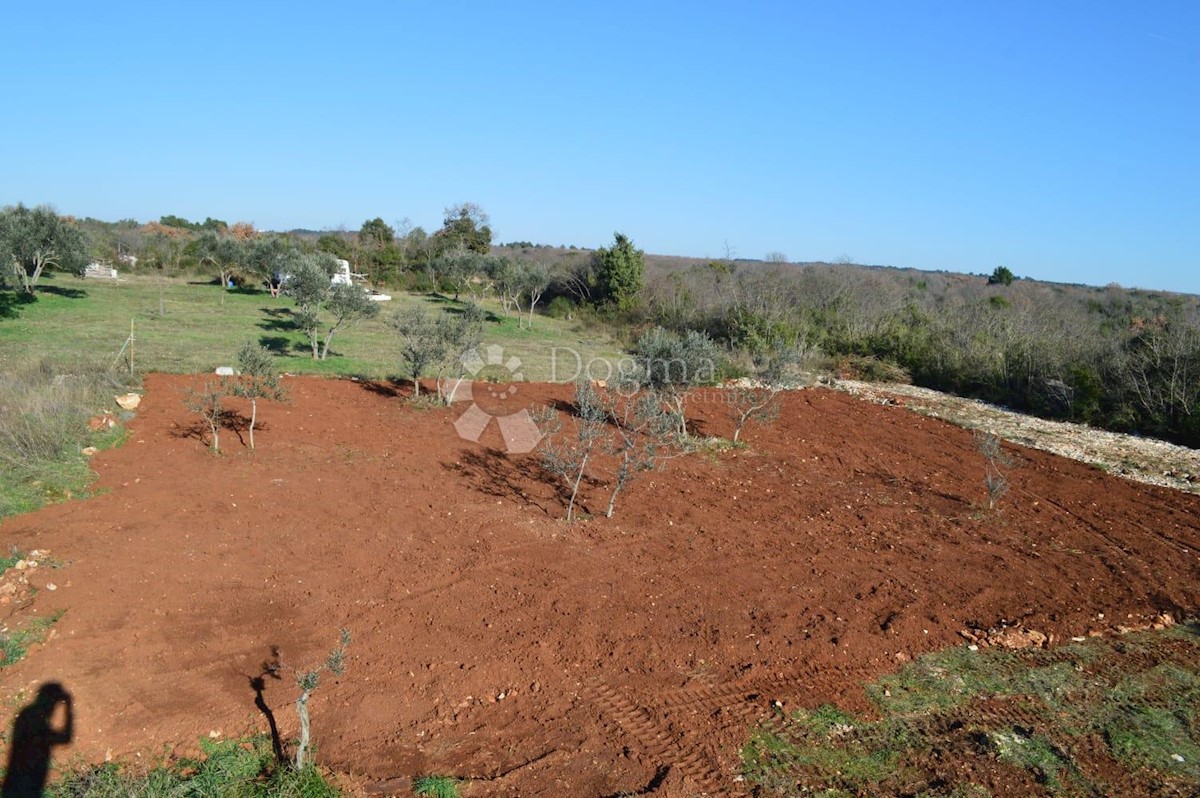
(813, 678)
(1107, 537)
(639, 723)
(742, 703)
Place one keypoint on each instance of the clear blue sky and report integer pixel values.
(1059, 139)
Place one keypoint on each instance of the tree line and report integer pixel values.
(1127, 360)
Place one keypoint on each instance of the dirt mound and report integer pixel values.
(493, 642)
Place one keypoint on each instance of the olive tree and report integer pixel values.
(639, 436)
(34, 240)
(756, 400)
(204, 399)
(257, 378)
(430, 342)
(223, 252)
(565, 451)
(669, 365)
(308, 681)
(535, 282)
(309, 284)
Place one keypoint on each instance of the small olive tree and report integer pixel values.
(205, 400)
(757, 400)
(223, 252)
(258, 378)
(566, 452)
(308, 681)
(462, 333)
(421, 344)
(669, 365)
(640, 434)
(434, 342)
(346, 305)
(998, 464)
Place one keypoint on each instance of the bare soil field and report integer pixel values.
(494, 642)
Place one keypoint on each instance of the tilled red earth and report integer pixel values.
(494, 642)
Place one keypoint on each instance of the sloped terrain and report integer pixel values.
(494, 642)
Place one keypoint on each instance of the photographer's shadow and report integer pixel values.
(34, 735)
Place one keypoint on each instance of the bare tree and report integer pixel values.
(998, 465)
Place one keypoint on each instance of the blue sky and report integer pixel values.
(1059, 139)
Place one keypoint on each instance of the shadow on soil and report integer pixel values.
(268, 670)
(389, 389)
(231, 421)
(494, 473)
(34, 735)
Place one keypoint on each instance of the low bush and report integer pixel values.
(560, 308)
(871, 369)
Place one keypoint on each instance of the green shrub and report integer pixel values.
(560, 308)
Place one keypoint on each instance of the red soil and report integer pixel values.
(492, 641)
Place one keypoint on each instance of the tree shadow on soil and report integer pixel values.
(268, 670)
(230, 421)
(389, 389)
(495, 473)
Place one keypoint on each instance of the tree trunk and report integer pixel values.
(612, 500)
(253, 418)
(575, 490)
(302, 745)
(328, 338)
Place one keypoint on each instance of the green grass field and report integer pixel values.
(202, 327)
